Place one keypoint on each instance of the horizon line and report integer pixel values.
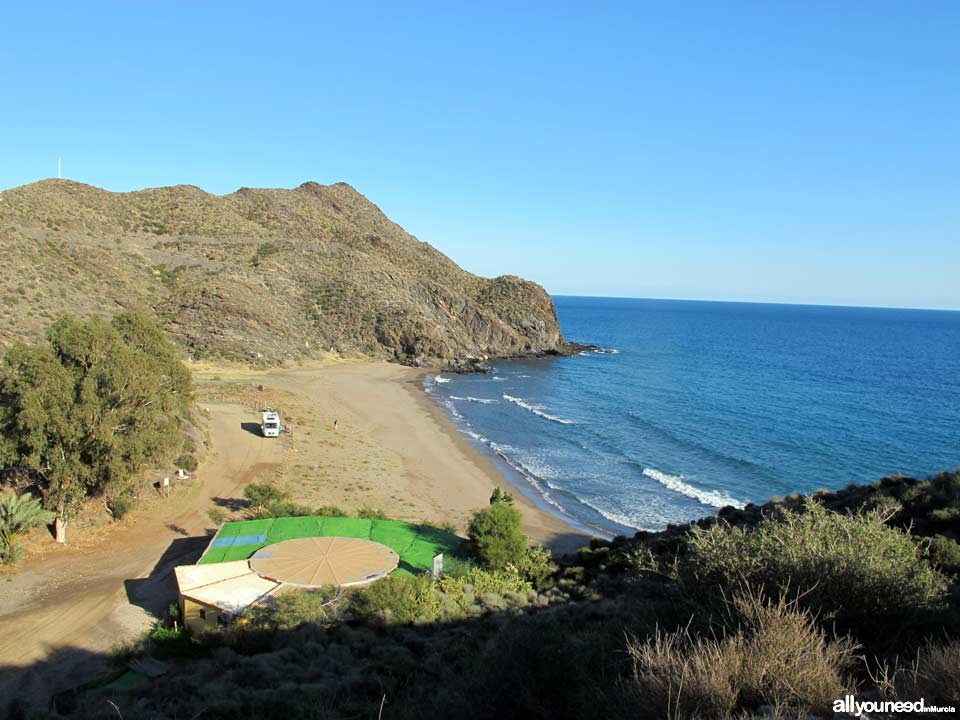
(759, 302)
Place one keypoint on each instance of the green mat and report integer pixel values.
(415, 544)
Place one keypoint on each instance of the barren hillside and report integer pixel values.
(258, 274)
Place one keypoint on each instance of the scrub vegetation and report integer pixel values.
(772, 611)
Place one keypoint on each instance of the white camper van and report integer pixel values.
(270, 424)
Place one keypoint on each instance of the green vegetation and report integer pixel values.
(261, 496)
(852, 568)
(18, 515)
(774, 611)
(495, 536)
(90, 407)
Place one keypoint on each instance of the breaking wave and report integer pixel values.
(482, 401)
(707, 497)
(536, 410)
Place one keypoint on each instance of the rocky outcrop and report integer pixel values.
(260, 274)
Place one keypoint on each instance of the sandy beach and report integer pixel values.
(367, 435)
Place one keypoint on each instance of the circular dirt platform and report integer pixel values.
(311, 562)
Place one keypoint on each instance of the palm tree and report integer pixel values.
(18, 514)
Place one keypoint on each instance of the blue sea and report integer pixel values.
(692, 406)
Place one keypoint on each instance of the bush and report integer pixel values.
(773, 654)
(187, 461)
(18, 514)
(499, 495)
(12, 553)
(851, 567)
(120, 506)
(217, 515)
(944, 554)
(330, 511)
(262, 494)
(397, 598)
(292, 609)
(285, 508)
(935, 676)
(495, 539)
(371, 514)
(536, 567)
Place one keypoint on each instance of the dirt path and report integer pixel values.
(81, 601)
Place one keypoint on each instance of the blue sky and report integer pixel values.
(772, 151)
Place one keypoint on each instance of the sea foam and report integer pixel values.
(677, 484)
(536, 410)
(482, 401)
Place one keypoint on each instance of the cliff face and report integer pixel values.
(265, 274)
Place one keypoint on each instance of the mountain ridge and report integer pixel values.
(260, 274)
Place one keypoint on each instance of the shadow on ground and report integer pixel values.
(232, 504)
(252, 428)
(155, 592)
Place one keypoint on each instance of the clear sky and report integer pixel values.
(783, 151)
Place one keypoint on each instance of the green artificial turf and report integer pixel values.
(415, 544)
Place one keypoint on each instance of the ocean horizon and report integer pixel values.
(692, 405)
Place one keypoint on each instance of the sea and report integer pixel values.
(689, 406)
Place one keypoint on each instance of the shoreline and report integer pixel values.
(500, 473)
(524, 491)
(368, 435)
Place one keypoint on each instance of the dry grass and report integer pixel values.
(934, 675)
(774, 655)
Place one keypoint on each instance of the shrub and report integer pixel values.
(262, 494)
(459, 594)
(773, 654)
(119, 506)
(292, 609)
(944, 554)
(18, 515)
(499, 495)
(187, 461)
(285, 508)
(330, 511)
(495, 536)
(935, 676)
(217, 515)
(536, 567)
(397, 598)
(849, 566)
(371, 514)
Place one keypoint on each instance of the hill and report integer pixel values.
(260, 274)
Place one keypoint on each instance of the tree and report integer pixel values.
(495, 536)
(262, 496)
(91, 407)
(19, 514)
(501, 496)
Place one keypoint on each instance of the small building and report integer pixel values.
(211, 595)
(248, 563)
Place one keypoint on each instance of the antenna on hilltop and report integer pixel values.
(59, 168)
